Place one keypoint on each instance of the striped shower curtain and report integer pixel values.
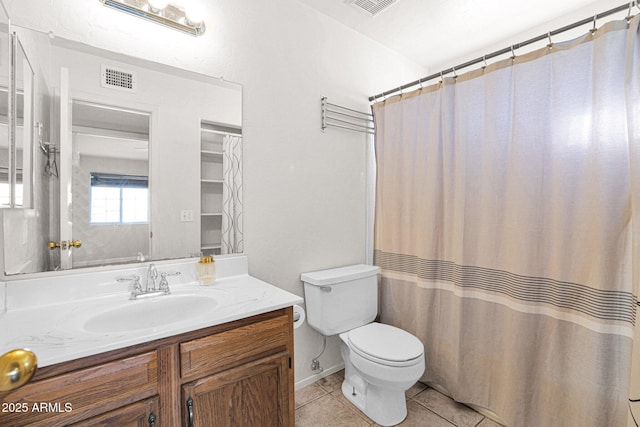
(506, 229)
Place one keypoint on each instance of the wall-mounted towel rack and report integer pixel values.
(336, 116)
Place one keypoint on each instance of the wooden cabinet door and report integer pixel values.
(253, 394)
(139, 414)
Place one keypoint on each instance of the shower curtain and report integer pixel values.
(506, 229)
(232, 232)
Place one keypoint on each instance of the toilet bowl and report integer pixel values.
(381, 361)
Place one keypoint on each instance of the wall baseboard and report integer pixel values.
(313, 378)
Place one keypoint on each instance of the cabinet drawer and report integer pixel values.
(210, 354)
(139, 414)
(75, 396)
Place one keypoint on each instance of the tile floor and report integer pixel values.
(322, 404)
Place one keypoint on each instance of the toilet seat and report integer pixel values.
(386, 344)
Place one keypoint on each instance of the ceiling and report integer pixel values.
(438, 34)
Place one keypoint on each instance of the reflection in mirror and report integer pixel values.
(23, 117)
(4, 108)
(116, 132)
(110, 189)
(16, 147)
(5, 199)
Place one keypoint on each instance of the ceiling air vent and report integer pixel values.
(117, 78)
(372, 7)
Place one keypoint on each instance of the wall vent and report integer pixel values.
(372, 7)
(117, 78)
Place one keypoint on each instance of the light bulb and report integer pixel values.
(194, 12)
(158, 4)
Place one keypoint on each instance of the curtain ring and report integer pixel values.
(629, 16)
(550, 45)
(595, 27)
(441, 78)
(400, 90)
(513, 55)
(455, 75)
(420, 83)
(484, 59)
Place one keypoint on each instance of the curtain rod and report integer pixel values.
(511, 48)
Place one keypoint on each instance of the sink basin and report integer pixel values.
(150, 313)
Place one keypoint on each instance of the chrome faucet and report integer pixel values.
(152, 275)
(150, 289)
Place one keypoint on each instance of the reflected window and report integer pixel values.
(4, 194)
(119, 199)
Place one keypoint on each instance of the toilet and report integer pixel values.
(381, 361)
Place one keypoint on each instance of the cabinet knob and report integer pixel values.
(16, 369)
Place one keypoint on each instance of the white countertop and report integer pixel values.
(56, 333)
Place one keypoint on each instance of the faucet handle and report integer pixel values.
(164, 283)
(137, 287)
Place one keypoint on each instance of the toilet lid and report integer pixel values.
(386, 342)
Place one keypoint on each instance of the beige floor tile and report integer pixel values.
(333, 382)
(309, 394)
(419, 416)
(322, 405)
(456, 413)
(327, 411)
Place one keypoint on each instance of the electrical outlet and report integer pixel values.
(186, 215)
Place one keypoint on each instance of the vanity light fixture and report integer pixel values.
(161, 12)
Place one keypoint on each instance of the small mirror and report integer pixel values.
(23, 117)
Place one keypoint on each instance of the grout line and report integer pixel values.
(432, 411)
(481, 420)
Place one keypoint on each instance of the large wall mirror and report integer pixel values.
(125, 160)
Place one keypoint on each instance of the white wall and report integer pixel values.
(304, 189)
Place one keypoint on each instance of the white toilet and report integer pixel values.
(381, 361)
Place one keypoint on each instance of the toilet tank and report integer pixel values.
(341, 299)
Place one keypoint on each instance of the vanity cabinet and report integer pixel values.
(241, 376)
(235, 374)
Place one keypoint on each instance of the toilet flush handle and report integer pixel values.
(325, 288)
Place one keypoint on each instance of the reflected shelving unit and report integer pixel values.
(211, 183)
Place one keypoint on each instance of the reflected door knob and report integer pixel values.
(65, 244)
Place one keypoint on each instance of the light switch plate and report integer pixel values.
(186, 215)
